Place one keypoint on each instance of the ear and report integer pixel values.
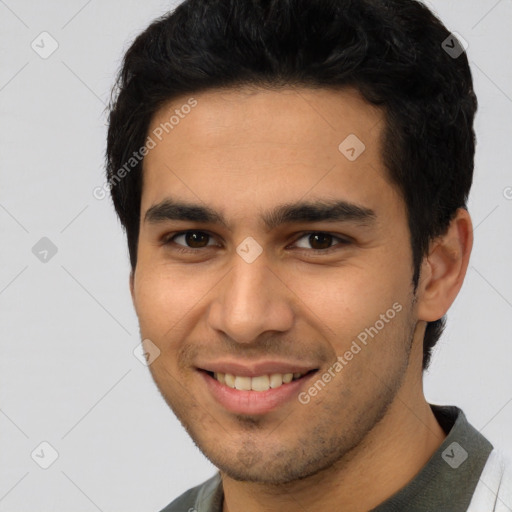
(132, 287)
(444, 268)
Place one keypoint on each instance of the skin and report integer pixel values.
(242, 153)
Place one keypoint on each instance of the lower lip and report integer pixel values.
(253, 402)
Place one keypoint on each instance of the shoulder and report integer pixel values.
(494, 488)
(206, 497)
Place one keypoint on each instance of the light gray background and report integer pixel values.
(68, 374)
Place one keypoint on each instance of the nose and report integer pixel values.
(251, 301)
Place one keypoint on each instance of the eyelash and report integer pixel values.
(169, 240)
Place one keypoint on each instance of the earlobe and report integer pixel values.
(444, 268)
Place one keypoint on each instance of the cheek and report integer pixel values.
(162, 300)
(349, 300)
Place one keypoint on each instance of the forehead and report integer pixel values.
(241, 147)
(293, 115)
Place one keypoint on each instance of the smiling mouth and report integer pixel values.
(258, 383)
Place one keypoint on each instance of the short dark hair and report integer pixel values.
(390, 50)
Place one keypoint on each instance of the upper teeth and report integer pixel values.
(260, 383)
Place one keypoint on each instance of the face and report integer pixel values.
(268, 253)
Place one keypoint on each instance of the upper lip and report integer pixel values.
(254, 369)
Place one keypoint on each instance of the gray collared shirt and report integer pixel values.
(445, 484)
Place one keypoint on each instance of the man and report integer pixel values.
(292, 176)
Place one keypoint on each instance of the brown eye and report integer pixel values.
(196, 239)
(320, 240)
(192, 239)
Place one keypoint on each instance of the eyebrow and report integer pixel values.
(299, 212)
